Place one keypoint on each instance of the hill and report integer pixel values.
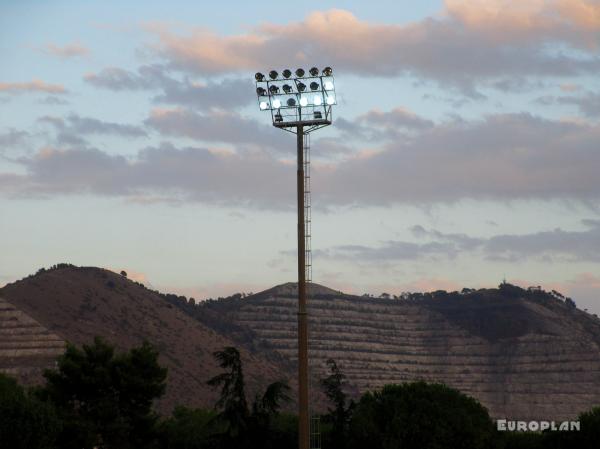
(26, 347)
(525, 354)
(76, 304)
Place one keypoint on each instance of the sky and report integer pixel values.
(464, 148)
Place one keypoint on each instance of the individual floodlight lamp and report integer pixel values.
(259, 76)
(303, 106)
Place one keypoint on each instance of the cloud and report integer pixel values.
(117, 79)
(384, 125)
(229, 93)
(190, 174)
(502, 156)
(579, 246)
(469, 43)
(389, 251)
(73, 126)
(13, 138)
(32, 86)
(557, 243)
(53, 100)
(217, 126)
(226, 94)
(65, 52)
(588, 103)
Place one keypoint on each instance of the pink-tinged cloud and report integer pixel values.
(584, 289)
(469, 42)
(582, 13)
(136, 276)
(507, 20)
(68, 51)
(32, 86)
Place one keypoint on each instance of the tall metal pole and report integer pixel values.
(303, 421)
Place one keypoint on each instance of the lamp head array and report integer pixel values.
(299, 93)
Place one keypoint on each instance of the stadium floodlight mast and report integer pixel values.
(299, 103)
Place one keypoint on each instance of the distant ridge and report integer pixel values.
(291, 289)
(80, 303)
(26, 347)
(525, 354)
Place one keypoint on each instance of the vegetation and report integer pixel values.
(246, 427)
(105, 399)
(341, 412)
(25, 421)
(97, 398)
(418, 415)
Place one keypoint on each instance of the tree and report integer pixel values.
(190, 429)
(124, 273)
(232, 400)
(418, 415)
(341, 412)
(245, 428)
(25, 421)
(586, 438)
(105, 399)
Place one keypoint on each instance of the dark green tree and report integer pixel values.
(420, 415)
(25, 421)
(339, 415)
(262, 430)
(586, 438)
(232, 400)
(245, 427)
(105, 399)
(191, 429)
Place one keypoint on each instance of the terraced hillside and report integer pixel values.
(26, 347)
(78, 304)
(524, 355)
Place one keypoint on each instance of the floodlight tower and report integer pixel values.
(300, 103)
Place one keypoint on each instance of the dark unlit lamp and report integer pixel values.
(299, 73)
(259, 76)
(314, 71)
(287, 73)
(273, 74)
